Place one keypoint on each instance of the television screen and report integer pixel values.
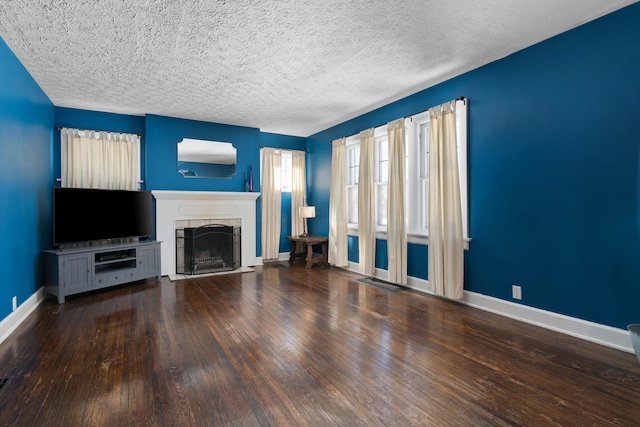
(86, 214)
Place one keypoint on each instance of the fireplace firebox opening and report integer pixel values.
(210, 248)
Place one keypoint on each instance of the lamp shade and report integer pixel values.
(307, 211)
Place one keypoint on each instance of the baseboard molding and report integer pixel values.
(12, 321)
(178, 277)
(282, 256)
(589, 331)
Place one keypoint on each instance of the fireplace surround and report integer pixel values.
(208, 207)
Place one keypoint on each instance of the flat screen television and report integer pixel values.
(86, 215)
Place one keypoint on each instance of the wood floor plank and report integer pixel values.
(285, 345)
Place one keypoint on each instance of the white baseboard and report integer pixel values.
(177, 277)
(590, 331)
(282, 256)
(594, 332)
(12, 321)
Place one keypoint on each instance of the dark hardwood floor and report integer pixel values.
(293, 347)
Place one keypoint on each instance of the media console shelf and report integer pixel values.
(75, 270)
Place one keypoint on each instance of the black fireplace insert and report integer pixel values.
(208, 249)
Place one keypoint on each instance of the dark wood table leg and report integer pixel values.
(309, 255)
(325, 259)
(292, 255)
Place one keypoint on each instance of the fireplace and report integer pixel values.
(210, 248)
(197, 208)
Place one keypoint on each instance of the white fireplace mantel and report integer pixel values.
(172, 206)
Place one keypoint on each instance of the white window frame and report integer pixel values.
(352, 143)
(462, 126)
(418, 183)
(381, 174)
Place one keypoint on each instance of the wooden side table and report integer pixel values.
(310, 242)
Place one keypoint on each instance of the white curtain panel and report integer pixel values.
(366, 204)
(298, 194)
(99, 159)
(338, 253)
(446, 250)
(271, 202)
(396, 223)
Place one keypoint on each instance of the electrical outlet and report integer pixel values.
(15, 303)
(516, 291)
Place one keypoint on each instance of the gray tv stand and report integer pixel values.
(71, 271)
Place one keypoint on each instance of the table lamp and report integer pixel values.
(306, 212)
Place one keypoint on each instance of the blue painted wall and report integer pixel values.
(554, 171)
(26, 123)
(98, 120)
(163, 133)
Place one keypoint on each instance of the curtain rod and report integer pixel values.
(460, 98)
(91, 130)
(285, 149)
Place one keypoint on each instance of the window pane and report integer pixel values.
(423, 141)
(424, 223)
(382, 158)
(286, 166)
(381, 204)
(407, 164)
(383, 171)
(353, 165)
(354, 172)
(352, 203)
(424, 150)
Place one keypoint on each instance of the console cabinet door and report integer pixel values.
(77, 272)
(148, 261)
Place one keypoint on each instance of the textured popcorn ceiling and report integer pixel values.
(291, 66)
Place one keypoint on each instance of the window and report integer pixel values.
(381, 179)
(381, 173)
(94, 159)
(285, 171)
(353, 171)
(417, 175)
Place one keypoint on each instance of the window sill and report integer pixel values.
(416, 239)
